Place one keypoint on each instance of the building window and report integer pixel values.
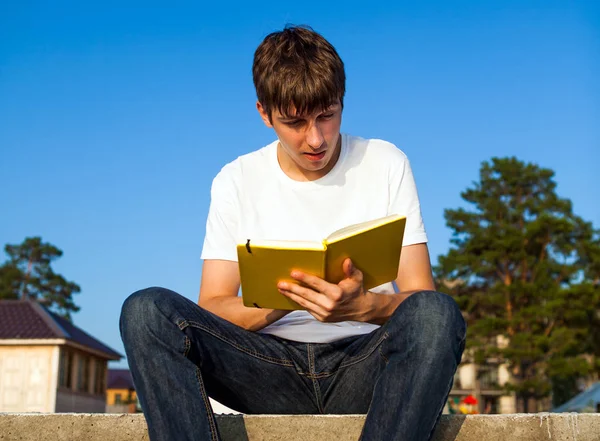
(488, 377)
(66, 368)
(83, 373)
(118, 399)
(490, 405)
(100, 383)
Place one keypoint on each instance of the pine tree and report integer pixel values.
(28, 275)
(525, 267)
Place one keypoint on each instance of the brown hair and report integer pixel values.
(297, 69)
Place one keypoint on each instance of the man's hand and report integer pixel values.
(348, 300)
(329, 302)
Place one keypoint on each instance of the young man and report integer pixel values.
(391, 355)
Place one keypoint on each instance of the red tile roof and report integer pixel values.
(25, 319)
(19, 319)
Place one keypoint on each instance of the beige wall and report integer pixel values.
(28, 378)
(507, 404)
(466, 374)
(503, 374)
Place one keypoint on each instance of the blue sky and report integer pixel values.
(115, 117)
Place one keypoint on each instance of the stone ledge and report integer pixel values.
(129, 427)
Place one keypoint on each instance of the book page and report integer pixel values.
(286, 244)
(351, 230)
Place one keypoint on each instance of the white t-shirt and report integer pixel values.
(252, 197)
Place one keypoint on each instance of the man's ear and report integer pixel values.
(263, 114)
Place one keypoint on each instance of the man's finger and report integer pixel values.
(351, 272)
(303, 300)
(314, 282)
(301, 291)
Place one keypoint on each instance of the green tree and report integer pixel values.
(27, 274)
(523, 266)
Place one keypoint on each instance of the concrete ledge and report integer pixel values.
(127, 427)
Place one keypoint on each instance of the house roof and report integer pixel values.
(26, 319)
(119, 379)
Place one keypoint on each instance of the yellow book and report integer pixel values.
(374, 247)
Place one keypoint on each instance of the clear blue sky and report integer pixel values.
(115, 117)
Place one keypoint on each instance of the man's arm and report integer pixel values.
(219, 295)
(348, 301)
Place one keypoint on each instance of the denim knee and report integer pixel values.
(139, 309)
(432, 318)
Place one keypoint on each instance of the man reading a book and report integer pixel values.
(389, 352)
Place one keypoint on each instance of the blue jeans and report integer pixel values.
(400, 375)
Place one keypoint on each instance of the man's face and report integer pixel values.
(309, 145)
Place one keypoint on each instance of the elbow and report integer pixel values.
(208, 304)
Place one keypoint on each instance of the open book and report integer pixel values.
(374, 247)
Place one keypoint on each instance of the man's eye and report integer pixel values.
(294, 123)
(326, 116)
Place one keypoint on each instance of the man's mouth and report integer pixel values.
(315, 156)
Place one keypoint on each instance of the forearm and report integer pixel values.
(233, 310)
(380, 307)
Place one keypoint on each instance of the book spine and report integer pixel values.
(324, 263)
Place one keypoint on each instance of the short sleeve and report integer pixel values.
(404, 200)
(223, 216)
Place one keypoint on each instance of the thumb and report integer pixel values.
(350, 271)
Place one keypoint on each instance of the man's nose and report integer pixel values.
(314, 136)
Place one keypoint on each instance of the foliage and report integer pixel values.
(525, 267)
(27, 274)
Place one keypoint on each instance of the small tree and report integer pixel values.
(525, 267)
(28, 275)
